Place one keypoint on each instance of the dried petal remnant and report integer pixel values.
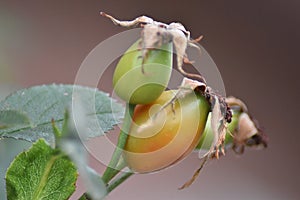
(246, 134)
(156, 33)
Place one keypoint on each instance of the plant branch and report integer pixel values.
(111, 169)
(118, 181)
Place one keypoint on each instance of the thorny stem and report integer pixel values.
(111, 169)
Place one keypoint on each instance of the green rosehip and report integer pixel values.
(141, 78)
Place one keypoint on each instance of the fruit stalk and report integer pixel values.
(111, 169)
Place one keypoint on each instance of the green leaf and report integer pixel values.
(13, 118)
(40, 173)
(42, 103)
(9, 149)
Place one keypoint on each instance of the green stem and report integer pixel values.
(111, 170)
(117, 163)
(56, 131)
(118, 181)
(121, 165)
(115, 183)
(84, 197)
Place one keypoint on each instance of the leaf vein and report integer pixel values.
(43, 181)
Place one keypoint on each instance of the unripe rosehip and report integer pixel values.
(242, 131)
(139, 78)
(208, 137)
(160, 137)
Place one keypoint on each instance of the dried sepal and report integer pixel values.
(234, 102)
(195, 175)
(246, 134)
(220, 117)
(187, 86)
(133, 23)
(156, 33)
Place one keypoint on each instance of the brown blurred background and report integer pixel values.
(255, 45)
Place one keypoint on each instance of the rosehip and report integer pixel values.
(140, 79)
(162, 135)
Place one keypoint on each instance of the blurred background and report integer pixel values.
(255, 45)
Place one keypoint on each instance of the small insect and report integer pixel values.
(154, 34)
